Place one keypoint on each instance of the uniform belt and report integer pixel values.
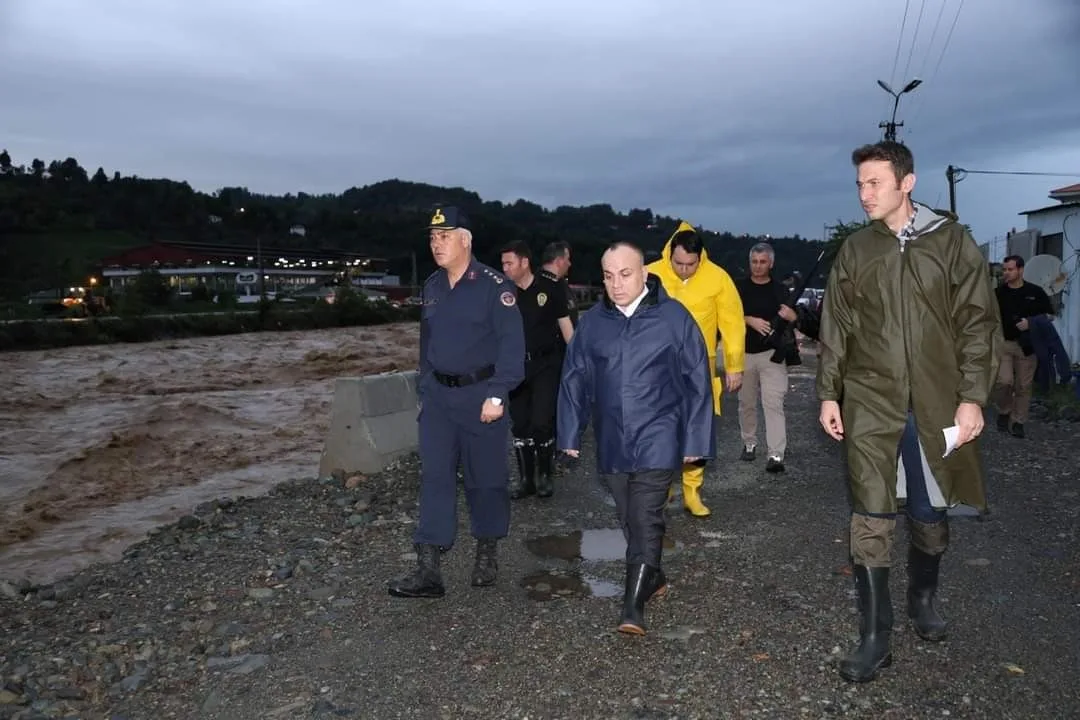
(462, 380)
(542, 353)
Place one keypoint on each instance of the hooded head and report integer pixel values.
(684, 251)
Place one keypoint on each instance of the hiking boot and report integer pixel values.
(425, 581)
(485, 568)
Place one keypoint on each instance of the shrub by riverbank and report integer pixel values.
(348, 310)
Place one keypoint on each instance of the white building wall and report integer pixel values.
(1052, 222)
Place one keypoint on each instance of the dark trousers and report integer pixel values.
(533, 402)
(918, 497)
(639, 501)
(1050, 352)
(451, 432)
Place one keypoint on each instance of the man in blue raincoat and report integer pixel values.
(639, 366)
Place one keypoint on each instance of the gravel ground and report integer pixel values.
(276, 607)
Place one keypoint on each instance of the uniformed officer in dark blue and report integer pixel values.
(472, 354)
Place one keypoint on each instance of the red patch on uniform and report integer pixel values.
(508, 299)
(471, 275)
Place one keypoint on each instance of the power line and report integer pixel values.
(914, 37)
(933, 36)
(899, 43)
(1016, 172)
(941, 57)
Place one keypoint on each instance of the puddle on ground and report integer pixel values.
(548, 585)
(600, 545)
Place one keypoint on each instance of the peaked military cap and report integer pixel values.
(448, 218)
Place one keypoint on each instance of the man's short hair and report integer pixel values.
(688, 241)
(553, 251)
(763, 248)
(1015, 258)
(896, 154)
(519, 248)
(625, 244)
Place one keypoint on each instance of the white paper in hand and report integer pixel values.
(951, 434)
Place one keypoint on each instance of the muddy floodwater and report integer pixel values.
(99, 444)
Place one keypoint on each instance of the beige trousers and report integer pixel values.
(768, 381)
(1016, 375)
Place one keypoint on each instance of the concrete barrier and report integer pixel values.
(372, 423)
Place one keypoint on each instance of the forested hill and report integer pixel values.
(57, 220)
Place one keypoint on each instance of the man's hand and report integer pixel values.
(1022, 325)
(969, 422)
(830, 419)
(762, 326)
(490, 412)
(733, 381)
(690, 459)
(572, 453)
(787, 313)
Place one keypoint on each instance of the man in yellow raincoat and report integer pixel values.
(707, 291)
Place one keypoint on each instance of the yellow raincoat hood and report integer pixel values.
(712, 299)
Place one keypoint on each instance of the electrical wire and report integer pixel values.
(899, 44)
(914, 36)
(933, 36)
(941, 57)
(1015, 172)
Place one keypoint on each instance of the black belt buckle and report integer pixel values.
(456, 381)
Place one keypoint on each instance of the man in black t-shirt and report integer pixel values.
(1018, 300)
(762, 297)
(556, 267)
(545, 317)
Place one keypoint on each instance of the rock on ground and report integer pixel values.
(277, 607)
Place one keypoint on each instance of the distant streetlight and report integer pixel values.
(890, 127)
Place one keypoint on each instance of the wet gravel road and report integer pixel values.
(277, 607)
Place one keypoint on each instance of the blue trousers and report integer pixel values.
(451, 433)
(918, 506)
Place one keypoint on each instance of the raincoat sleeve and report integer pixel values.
(700, 437)
(977, 323)
(837, 324)
(575, 391)
(729, 319)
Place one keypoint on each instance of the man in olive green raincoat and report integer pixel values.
(910, 345)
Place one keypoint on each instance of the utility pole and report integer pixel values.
(891, 125)
(950, 175)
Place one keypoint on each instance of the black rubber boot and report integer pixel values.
(486, 566)
(425, 581)
(642, 582)
(524, 484)
(875, 625)
(923, 572)
(545, 457)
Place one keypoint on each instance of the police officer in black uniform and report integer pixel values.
(555, 262)
(532, 405)
(472, 354)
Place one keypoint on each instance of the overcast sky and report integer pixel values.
(739, 116)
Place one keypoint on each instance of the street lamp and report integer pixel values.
(890, 127)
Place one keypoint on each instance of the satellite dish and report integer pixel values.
(1045, 271)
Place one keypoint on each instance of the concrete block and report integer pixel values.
(372, 423)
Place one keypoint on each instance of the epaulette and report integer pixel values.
(499, 279)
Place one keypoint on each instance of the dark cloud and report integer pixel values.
(740, 119)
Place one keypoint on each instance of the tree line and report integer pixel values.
(57, 221)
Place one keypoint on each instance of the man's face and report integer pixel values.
(1011, 273)
(684, 264)
(760, 265)
(448, 247)
(562, 265)
(514, 266)
(879, 192)
(624, 275)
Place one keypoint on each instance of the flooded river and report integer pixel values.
(100, 444)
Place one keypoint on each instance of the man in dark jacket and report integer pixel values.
(638, 364)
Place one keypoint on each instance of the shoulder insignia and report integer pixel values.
(541, 299)
(507, 299)
(493, 275)
(471, 275)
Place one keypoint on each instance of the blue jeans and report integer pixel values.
(918, 497)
